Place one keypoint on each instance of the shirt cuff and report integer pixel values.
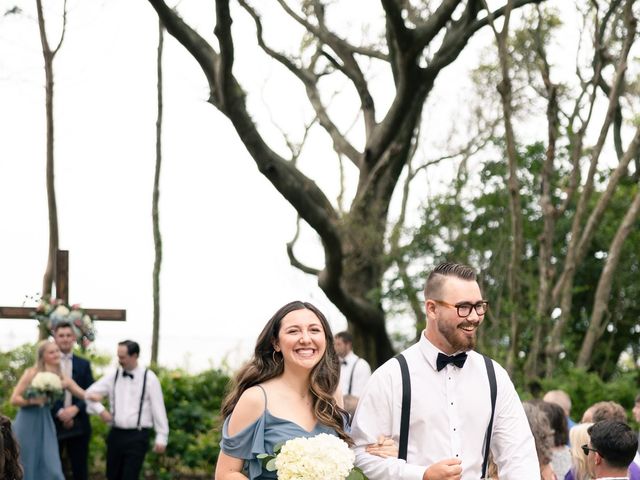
(161, 440)
(95, 408)
(413, 472)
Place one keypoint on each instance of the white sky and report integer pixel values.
(225, 269)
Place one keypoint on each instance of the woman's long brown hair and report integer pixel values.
(265, 365)
(10, 468)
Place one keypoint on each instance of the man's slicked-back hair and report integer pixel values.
(433, 285)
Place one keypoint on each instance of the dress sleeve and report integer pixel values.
(245, 444)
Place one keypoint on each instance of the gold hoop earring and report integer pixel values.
(273, 356)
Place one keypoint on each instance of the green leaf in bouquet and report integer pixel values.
(278, 447)
(266, 459)
(271, 465)
(356, 474)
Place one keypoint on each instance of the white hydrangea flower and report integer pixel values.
(323, 457)
(46, 382)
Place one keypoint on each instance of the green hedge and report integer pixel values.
(193, 407)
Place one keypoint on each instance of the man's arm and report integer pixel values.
(101, 388)
(159, 413)
(374, 418)
(512, 443)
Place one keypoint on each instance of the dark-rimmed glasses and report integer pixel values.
(464, 308)
(586, 449)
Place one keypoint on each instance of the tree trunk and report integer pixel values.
(601, 300)
(155, 214)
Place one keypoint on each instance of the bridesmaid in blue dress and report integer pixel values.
(288, 389)
(33, 427)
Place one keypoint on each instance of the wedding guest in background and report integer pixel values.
(33, 426)
(70, 414)
(636, 412)
(609, 410)
(136, 407)
(563, 399)
(579, 436)
(611, 449)
(354, 371)
(543, 436)
(451, 401)
(560, 452)
(10, 468)
(288, 389)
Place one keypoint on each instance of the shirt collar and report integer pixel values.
(350, 357)
(66, 356)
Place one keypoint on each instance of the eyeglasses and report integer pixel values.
(585, 449)
(464, 309)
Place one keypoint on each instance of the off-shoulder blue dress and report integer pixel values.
(36, 435)
(261, 437)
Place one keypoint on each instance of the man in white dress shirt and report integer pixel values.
(612, 446)
(136, 406)
(451, 400)
(354, 371)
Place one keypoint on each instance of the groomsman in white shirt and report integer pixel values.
(136, 406)
(451, 396)
(354, 371)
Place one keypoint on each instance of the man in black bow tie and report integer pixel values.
(444, 404)
(354, 371)
(136, 407)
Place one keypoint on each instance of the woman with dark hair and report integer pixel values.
(543, 437)
(10, 468)
(288, 389)
(560, 453)
(33, 426)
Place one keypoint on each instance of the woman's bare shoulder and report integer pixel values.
(250, 407)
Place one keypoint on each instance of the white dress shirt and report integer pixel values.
(450, 412)
(127, 402)
(66, 364)
(361, 373)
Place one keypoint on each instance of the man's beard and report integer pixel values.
(458, 340)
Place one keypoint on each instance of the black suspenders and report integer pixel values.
(144, 389)
(406, 409)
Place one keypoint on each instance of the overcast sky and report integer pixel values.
(225, 269)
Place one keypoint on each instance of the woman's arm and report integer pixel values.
(385, 448)
(229, 468)
(73, 387)
(17, 398)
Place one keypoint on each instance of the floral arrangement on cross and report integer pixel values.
(53, 311)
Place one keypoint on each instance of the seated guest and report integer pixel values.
(611, 449)
(578, 436)
(614, 411)
(543, 437)
(561, 398)
(560, 453)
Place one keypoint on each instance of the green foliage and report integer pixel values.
(193, 405)
(586, 388)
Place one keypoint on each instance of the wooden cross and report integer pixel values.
(62, 293)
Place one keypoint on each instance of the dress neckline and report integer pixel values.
(292, 422)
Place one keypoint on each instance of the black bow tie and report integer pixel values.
(126, 374)
(458, 360)
(343, 362)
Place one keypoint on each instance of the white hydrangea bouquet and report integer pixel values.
(323, 457)
(45, 384)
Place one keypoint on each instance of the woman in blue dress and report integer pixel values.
(289, 389)
(33, 427)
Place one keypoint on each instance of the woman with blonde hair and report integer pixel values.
(33, 427)
(579, 436)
